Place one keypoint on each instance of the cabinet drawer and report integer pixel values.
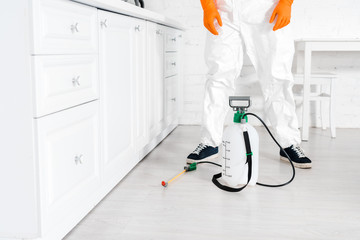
(64, 81)
(64, 27)
(171, 98)
(171, 40)
(68, 148)
(171, 64)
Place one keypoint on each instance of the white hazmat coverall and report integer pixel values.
(246, 23)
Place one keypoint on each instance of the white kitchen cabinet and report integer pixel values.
(155, 47)
(98, 92)
(172, 74)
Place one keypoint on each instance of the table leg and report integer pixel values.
(306, 94)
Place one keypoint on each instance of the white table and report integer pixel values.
(317, 45)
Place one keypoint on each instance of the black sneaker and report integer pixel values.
(297, 156)
(202, 153)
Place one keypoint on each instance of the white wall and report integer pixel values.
(311, 18)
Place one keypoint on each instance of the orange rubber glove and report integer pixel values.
(210, 14)
(283, 13)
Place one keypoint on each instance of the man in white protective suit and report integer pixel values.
(259, 26)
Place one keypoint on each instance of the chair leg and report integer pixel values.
(332, 109)
(322, 110)
(305, 119)
(323, 113)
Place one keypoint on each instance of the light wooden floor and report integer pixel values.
(321, 203)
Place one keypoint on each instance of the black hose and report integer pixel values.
(292, 165)
(216, 164)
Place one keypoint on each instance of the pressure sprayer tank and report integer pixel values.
(235, 169)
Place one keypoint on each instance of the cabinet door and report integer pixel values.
(156, 78)
(116, 94)
(141, 84)
(68, 149)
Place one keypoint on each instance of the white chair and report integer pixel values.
(322, 82)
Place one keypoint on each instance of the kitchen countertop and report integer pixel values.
(132, 10)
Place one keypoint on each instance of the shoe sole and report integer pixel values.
(190, 161)
(298, 165)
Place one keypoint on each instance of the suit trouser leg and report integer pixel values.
(272, 55)
(224, 58)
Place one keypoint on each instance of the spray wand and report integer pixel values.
(188, 168)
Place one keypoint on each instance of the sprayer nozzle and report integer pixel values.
(190, 167)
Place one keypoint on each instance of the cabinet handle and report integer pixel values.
(74, 28)
(173, 63)
(158, 32)
(103, 24)
(138, 28)
(180, 36)
(173, 99)
(76, 81)
(78, 159)
(173, 39)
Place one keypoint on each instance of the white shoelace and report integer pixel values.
(298, 151)
(199, 148)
